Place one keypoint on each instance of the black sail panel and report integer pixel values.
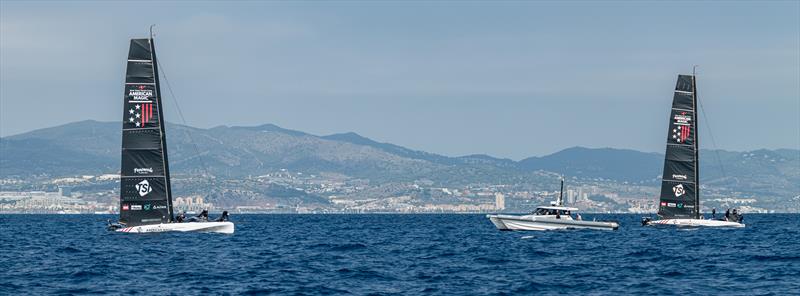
(143, 188)
(142, 162)
(677, 200)
(145, 194)
(678, 197)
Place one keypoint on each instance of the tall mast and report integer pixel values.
(162, 127)
(696, 146)
(561, 194)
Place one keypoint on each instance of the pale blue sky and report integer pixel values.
(509, 79)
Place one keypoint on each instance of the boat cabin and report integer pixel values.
(553, 210)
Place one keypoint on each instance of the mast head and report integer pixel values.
(151, 31)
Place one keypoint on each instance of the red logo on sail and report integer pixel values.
(681, 133)
(139, 114)
(683, 127)
(140, 105)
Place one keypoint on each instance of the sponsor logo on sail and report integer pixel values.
(126, 207)
(143, 171)
(159, 207)
(140, 106)
(679, 177)
(144, 188)
(140, 93)
(683, 127)
(136, 207)
(680, 205)
(671, 204)
(147, 207)
(678, 190)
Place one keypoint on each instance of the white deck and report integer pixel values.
(217, 227)
(694, 223)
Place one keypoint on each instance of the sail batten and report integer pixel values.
(145, 193)
(679, 197)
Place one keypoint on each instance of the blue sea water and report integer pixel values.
(397, 254)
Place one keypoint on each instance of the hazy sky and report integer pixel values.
(511, 79)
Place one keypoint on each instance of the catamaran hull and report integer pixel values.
(508, 222)
(694, 223)
(217, 227)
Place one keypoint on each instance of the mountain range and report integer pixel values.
(92, 147)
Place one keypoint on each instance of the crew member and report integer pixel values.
(180, 217)
(223, 218)
(203, 216)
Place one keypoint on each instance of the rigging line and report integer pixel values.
(713, 141)
(183, 120)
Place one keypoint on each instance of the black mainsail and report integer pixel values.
(680, 196)
(145, 193)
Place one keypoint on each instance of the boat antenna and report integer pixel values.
(694, 69)
(151, 31)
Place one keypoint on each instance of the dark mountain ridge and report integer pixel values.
(92, 147)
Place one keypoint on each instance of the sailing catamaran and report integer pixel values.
(553, 217)
(679, 203)
(145, 189)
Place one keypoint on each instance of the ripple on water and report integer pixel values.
(396, 254)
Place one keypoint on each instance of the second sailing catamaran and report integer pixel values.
(679, 203)
(145, 189)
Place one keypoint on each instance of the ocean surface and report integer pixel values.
(397, 254)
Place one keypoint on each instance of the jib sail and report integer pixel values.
(145, 193)
(679, 186)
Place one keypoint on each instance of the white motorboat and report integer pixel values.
(145, 188)
(553, 217)
(679, 203)
(548, 218)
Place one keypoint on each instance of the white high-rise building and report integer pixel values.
(499, 201)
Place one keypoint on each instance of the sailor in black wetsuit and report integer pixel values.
(180, 217)
(203, 216)
(223, 218)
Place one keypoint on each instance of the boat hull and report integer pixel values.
(216, 227)
(694, 223)
(510, 222)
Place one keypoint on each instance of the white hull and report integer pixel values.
(694, 223)
(531, 222)
(217, 227)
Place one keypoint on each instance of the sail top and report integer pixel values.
(140, 49)
(679, 186)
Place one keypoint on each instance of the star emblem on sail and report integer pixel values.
(681, 133)
(143, 188)
(140, 114)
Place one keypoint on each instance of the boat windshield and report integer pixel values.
(542, 211)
